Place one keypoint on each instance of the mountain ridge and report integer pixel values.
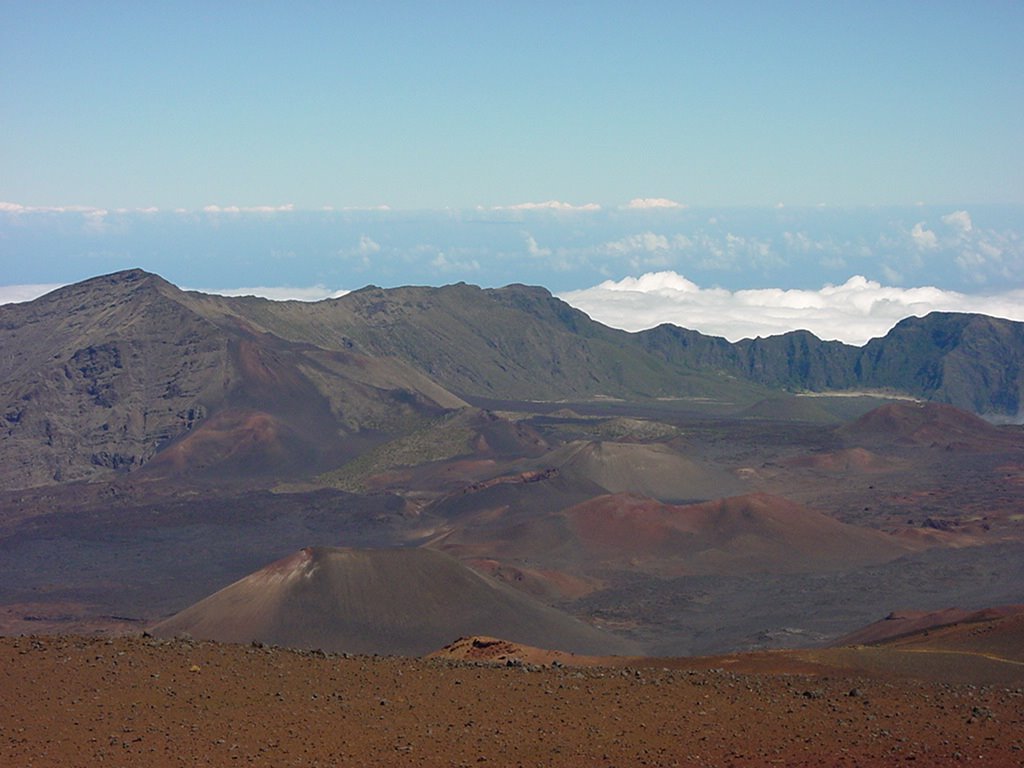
(105, 374)
(969, 360)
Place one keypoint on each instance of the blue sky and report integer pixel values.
(457, 104)
(306, 148)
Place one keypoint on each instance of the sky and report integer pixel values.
(309, 148)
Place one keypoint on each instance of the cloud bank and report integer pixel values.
(854, 312)
(278, 293)
(646, 203)
(286, 208)
(13, 294)
(547, 205)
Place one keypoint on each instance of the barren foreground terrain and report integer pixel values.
(75, 701)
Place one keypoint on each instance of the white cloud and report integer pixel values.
(277, 293)
(8, 207)
(664, 283)
(13, 294)
(547, 205)
(853, 312)
(643, 203)
(959, 220)
(96, 220)
(801, 242)
(368, 245)
(645, 241)
(924, 238)
(286, 208)
(447, 263)
(535, 250)
(891, 274)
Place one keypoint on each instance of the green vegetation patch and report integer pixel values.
(620, 428)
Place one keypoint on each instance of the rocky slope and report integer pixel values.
(105, 374)
(972, 361)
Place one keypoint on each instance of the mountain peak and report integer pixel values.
(133, 276)
(401, 600)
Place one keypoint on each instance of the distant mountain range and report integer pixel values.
(128, 372)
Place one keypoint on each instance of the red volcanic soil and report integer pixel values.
(993, 632)
(853, 460)
(901, 623)
(568, 553)
(235, 439)
(71, 701)
(753, 533)
(546, 584)
(493, 650)
(925, 424)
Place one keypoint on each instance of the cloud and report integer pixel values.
(286, 208)
(854, 312)
(803, 243)
(535, 250)
(278, 293)
(923, 238)
(18, 208)
(447, 263)
(548, 205)
(645, 241)
(959, 220)
(13, 294)
(983, 255)
(891, 274)
(368, 245)
(645, 203)
(96, 220)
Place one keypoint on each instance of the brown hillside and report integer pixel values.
(756, 533)
(851, 460)
(653, 470)
(404, 601)
(992, 631)
(742, 534)
(924, 424)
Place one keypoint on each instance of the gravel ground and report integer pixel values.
(76, 701)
